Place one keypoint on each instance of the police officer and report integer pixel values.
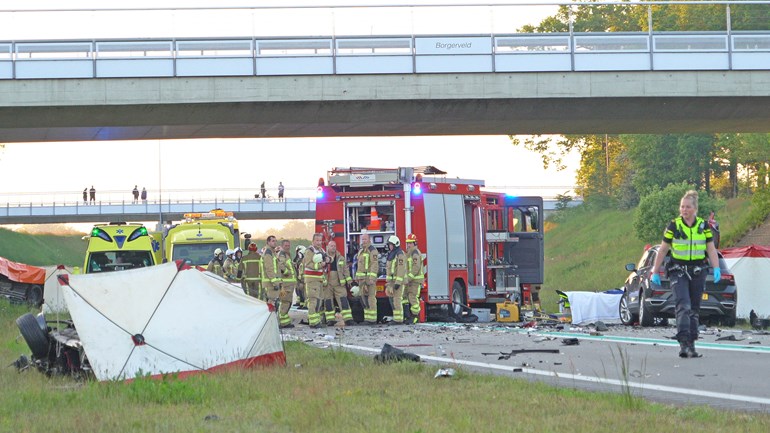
(288, 283)
(413, 279)
(395, 272)
(690, 241)
(314, 275)
(216, 264)
(271, 275)
(367, 267)
(337, 280)
(251, 276)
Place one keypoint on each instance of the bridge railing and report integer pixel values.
(524, 52)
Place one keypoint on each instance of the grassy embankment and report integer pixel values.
(42, 250)
(330, 390)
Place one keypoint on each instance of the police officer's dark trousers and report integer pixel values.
(688, 289)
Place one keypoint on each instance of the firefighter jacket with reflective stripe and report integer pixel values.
(688, 244)
(339, 274)
(215, 266)
(286, 267)
(396, 266)
(367, 262)
(414, 269)
(270, 273)
(251, 265)
(313, 270)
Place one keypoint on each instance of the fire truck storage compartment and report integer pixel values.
(446, 240)
(359, 218)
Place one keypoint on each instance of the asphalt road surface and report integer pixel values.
(732, 374)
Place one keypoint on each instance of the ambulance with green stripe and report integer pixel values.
(118, 246)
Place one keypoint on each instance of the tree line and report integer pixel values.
(649, 172)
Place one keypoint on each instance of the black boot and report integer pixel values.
(684, 349)
(691, 349)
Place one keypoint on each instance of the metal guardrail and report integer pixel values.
(385, 55)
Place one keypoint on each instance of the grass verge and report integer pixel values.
(324, 390)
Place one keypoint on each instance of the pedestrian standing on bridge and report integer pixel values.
(280, 191)
(92, 195)
(263, 190)
(690, 241)
(85, 195)
(144, 195)
(135, 192)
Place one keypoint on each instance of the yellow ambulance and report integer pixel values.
(119, 246)
(196, 237)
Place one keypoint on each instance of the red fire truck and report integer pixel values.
(481, 247)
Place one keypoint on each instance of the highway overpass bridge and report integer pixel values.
(385, 85)
(167, 210)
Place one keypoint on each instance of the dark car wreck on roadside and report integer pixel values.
(55, 346)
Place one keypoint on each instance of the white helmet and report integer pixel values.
(300, 250)
(393, 239)
(218, 251)
(318, 258)
(229, 252)
(236, 250)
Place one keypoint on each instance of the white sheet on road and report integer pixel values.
(589, 307)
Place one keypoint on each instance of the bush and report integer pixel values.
(659, 207)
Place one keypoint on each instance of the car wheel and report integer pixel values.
(35, 296)
(458, 300)
(646, 318)
(36, 338)
(626, 317)
(729, 319)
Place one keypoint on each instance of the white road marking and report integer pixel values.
(592, 379)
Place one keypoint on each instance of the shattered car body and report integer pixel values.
(56, 347)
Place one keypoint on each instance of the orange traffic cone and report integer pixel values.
(374, 224)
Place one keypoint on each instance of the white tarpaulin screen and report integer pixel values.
(751, 268)
(589, 307)
(160, 319)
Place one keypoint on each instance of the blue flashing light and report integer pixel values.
(511, 195)
(417, 188)
(319, 192)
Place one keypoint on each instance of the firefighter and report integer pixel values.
(396, 270)
(271, 276)
(251, 277)
(288, 283)
(229, 266)
(216, 264)
(368, 264)
(299, 254)
(314, 265)
(238, 265)
(337, 281)
(413, 279)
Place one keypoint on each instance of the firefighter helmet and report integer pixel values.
(237, 250)
(300, 250)
(393, 239)
(318, 258)
(218, 251)
(411, 238)
(229, 252)
(252, 247)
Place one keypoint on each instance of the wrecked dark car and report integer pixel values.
(55, 346)
(647, 305)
